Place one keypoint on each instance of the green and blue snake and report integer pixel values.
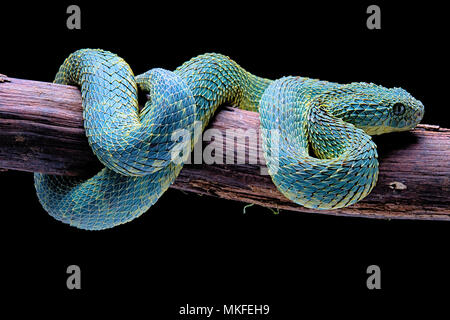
(323, 156)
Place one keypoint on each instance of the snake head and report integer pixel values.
(376, 109)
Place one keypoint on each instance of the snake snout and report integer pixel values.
(415, 116)
(420, 112)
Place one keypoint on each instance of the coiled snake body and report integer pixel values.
(315, 133)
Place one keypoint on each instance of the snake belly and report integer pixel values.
(315, 133)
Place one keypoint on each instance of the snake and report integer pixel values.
(316, 135)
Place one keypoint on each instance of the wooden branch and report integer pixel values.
(41, 130)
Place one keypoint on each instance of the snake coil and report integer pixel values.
(316, 134)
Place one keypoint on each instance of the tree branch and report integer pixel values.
(41, 130)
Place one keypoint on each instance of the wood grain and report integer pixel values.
(41, 130)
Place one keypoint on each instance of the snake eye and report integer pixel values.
(398, 109)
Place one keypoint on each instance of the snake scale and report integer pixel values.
(323, 156)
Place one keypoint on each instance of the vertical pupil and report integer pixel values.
(398, 108)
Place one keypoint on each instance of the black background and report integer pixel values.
(205, 251)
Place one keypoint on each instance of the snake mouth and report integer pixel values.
(382, 129)
(377, 130)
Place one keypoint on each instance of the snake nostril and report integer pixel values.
(419, 114)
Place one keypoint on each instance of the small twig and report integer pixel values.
(4, 78)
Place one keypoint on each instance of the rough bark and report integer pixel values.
(41, 130)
